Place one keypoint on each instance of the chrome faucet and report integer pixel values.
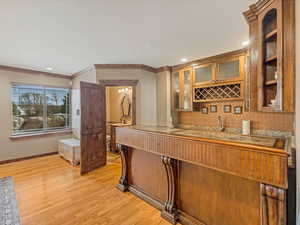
(221, 123)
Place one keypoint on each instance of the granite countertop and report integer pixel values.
(271, 142)
(121, 124)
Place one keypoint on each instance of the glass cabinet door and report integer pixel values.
(187, 91)
(182, 90)
(230, 70)
(203, 74)
(176, 90)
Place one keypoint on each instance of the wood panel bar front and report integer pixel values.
(194, 184)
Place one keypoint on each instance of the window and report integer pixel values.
(38, 108)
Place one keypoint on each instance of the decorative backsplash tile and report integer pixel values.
(204, 110)
(213, 108)
(259, 120)
(227, 108)
(272, 133)
(238, 110)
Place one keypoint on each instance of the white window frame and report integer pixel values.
(45, 128)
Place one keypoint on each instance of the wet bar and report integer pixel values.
(205, 177)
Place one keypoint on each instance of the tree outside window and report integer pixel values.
(37, 108)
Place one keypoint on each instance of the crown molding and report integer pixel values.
(126, 66)
(133, 66)
(250, 15)
(123, 66)
(163, 69)
(148, 68)
(254, 9)
(87, 69)
(211, 58)
(34, 72)
(159, 69)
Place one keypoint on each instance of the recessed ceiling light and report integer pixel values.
(246, 43)
(49, 68)
(184, 60)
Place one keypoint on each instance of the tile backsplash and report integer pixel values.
(259, 120)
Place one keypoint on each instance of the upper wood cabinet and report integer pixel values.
(182, 89)
(204, 74)
(175, 90)
(223, 70)
(231, 69)
(272, 55)
(269, 61)
(214, 79)
(186, 87)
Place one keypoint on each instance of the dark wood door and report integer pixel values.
(93, 130)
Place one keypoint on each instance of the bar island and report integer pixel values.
(205, 177)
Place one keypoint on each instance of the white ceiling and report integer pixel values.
(69, 35)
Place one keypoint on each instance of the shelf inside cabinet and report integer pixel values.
(269, 109)
(270, 59)
(270, 82)
(271, 34)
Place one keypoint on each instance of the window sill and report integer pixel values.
(40, 134)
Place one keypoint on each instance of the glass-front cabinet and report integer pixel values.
(204, 74)
(270, 90)
(186, 90)
(176, 90)
(272, 31)
(215, 79)
(231, 70)
(224, 70)
(182, 89)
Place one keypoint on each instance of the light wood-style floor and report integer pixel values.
(51, 192)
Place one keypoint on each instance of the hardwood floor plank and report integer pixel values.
(51, 192)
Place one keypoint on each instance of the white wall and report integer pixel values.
(87, 76)
(163, 84)
(145, 92)
(146, 112)
(13, 149)
(75, 116)
(298, 105)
